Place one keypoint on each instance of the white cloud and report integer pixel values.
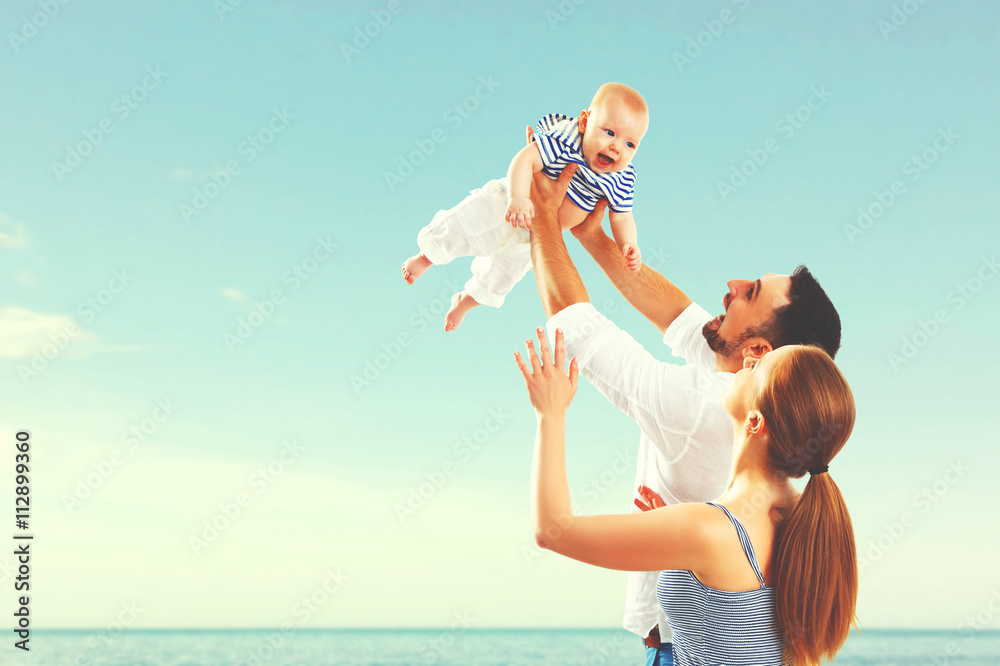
(132, 348)
(24, 331)
(27, 278)
(12, 235)
(234, 294)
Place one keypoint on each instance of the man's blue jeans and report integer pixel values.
(661, 656)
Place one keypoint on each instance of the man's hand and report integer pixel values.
(520, 212)
(559, 283)
(633, 258)
(592, 223)
(547, 194)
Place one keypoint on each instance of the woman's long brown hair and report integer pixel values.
(809, 411)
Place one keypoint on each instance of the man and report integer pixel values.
(686, 437)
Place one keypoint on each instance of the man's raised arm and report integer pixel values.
(559, 283)
(653, 295)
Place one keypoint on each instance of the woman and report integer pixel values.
(762, 575)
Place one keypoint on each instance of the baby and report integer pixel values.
(492, 223)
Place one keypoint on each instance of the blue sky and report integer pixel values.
(164, 359)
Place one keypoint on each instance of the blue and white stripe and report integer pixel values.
(714, 627)
(560, 143)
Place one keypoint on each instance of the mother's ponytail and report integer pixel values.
(809, 411)
(816, 573)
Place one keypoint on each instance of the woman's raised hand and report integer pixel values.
(550, 388)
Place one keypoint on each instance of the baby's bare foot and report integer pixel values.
(414, 267)
(460, 304)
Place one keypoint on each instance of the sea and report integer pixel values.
(495, 647)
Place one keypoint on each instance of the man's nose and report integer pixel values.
(736, 286)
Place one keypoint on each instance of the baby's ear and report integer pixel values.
(581, 122)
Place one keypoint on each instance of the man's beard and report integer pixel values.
(721, 346)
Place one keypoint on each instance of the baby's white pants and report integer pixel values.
(476, 228)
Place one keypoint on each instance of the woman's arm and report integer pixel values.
(550, 501)
(668, 538)
(673, 537)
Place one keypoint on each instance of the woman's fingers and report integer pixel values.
(522, 366)
(639, 504)
(560, 356)
(543, 357)
(543, 345)
(532, 356)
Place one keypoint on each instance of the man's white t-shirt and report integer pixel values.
(686, 436)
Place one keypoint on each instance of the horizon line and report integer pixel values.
(448, 628)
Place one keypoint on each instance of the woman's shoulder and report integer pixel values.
(705, 522)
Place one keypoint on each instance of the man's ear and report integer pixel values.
(756, 348)
(581, 122)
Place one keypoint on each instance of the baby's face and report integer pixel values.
(611, 135)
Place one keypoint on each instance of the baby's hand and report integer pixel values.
(520, 212)
(632, 256)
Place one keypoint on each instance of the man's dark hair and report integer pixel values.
(810, 318)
